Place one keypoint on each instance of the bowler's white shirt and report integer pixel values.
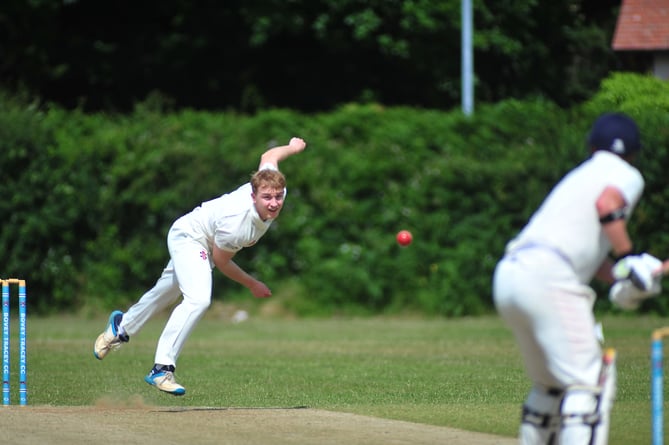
(230, 221)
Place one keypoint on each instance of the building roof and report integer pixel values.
(642, 25)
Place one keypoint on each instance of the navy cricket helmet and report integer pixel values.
(615, 132)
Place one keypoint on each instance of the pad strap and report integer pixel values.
(540, 420)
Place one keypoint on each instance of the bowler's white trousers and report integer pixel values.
(188, 273)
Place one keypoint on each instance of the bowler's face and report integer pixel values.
(268, 202)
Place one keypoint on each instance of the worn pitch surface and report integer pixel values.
(32, 425)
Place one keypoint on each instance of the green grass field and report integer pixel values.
(463, 373)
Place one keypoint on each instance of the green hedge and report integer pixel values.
(88, 199)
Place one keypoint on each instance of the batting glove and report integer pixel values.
(626, 295)
(639, 269)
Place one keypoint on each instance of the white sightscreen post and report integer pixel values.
(467, 63)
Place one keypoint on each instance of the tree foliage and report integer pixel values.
(310, 55)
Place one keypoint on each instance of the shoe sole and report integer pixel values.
(177, 392)
(95, 353)
(110, 322)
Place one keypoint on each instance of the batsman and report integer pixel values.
(541, 287)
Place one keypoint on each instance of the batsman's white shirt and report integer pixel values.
(568, 222)
(541, 288)
(230, 222)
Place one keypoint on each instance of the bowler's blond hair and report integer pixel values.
(273, 179)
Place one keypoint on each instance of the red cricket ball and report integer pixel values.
(404, 237)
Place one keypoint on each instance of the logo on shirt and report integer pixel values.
(203, 254)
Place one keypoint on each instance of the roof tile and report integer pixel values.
(642, 25)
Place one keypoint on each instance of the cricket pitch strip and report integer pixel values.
(55, 425)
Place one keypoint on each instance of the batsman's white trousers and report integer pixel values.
(538, 295)
(187, 274)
